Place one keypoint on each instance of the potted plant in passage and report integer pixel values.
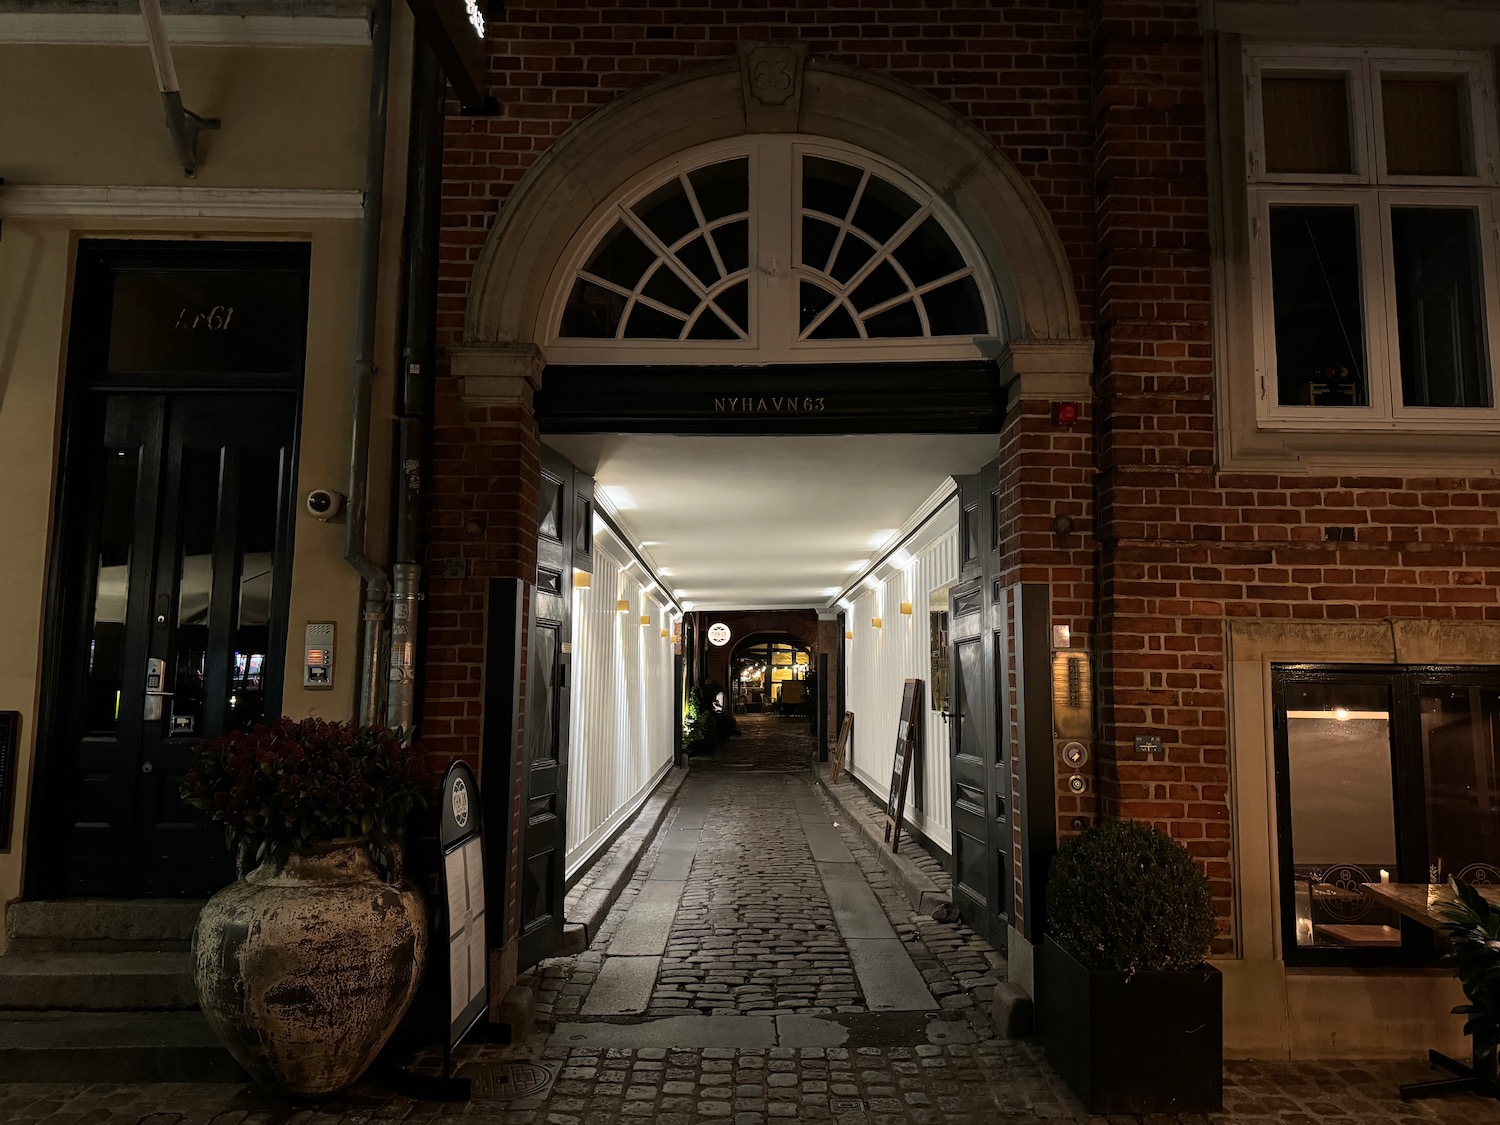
(305, 965)
(1131, 1016)
(1473, 928)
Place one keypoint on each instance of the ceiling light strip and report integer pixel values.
(939, 500)
(606, 516)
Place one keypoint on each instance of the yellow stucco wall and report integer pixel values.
(294, 119)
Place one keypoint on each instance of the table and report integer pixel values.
(1418, 901)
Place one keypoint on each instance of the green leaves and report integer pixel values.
(1472, 926)
(1126, 897)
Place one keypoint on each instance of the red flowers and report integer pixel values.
(300, 782)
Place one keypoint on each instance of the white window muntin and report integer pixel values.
(773, 291)
(1313, 66)
(1363, 69)
(1378, 309)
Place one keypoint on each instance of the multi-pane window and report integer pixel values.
(1382, 775)
(1372, 208)
(779, 245)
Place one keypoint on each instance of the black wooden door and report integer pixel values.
(977, 729)
(182, 546)
(564, 543)
(969, 734)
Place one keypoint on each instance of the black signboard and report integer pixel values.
(908, 731)
(462, 884)
(815, 398)
(10, 733)
(455, 30)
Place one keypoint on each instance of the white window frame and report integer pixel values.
(1374, 193)
(774, 323)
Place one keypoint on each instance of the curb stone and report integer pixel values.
(612, 870)
(924, 895)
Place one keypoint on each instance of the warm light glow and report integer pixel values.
(848, 636)
(1341, 714)
(906, 608)
(876, 622)
(618, 498)
(582, 580)
(622, 606)
(645, 619)
(665, 633)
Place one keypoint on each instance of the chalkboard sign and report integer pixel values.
(841, 746)
(10, 734)
(908, 731)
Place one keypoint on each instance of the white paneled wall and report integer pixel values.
(880, 660)
(620, 742)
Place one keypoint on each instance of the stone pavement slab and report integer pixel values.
(890, 981)
(645, 928)
(623, 987)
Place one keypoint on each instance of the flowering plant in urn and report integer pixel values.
(306, 964)
(301, 782)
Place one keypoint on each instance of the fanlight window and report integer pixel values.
(871, 260)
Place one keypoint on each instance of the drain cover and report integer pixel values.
(508, 1080)
(846, 1105)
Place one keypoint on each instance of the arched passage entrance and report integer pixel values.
(611, 293)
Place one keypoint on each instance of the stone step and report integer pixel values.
(82, 925)
(112, 1047)
(97, 982)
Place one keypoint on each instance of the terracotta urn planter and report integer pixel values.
(304, 968)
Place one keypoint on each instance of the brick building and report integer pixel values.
(1226, 281)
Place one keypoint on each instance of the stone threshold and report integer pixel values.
(862, 1029)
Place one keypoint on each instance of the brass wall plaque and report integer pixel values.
(1072, 694)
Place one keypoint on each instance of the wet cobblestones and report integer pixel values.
(986, 1084)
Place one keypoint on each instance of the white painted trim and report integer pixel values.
(48, 200)
(93, 30)
(588, 850)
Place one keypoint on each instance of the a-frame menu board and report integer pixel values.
(908, 733)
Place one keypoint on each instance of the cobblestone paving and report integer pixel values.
(765, 741)
(986, 1084)
(754, 931)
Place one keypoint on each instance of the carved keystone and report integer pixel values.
(771, 74)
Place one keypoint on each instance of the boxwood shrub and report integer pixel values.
(1126, 897)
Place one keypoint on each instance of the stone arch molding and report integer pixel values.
(773, 88)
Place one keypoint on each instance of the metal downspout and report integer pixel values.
(377, 584)
(418, 354)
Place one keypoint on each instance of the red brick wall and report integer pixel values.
(1100, 105)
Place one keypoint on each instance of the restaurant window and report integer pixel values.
(1371, 189)
(1382, 775)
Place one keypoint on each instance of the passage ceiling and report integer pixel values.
(767, 521)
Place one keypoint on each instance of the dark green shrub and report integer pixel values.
(1127, 897)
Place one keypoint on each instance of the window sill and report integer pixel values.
(1382, 452)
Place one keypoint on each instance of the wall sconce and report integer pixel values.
(622, 606)
(875, 622)
(665, 633)
(848, 636)
(906, 608)
(645, 619)
(582, 580)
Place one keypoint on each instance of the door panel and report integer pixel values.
(189, 551)
(968, 735)
(564, 540)
(977, 729)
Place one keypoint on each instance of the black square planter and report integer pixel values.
(1151, 1044)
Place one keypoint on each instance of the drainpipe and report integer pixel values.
(424, 184)
(182, 123)
(376, 583)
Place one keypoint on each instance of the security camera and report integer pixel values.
(324, 503)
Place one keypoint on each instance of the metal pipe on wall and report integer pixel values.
(418, 354)
(372, 669)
